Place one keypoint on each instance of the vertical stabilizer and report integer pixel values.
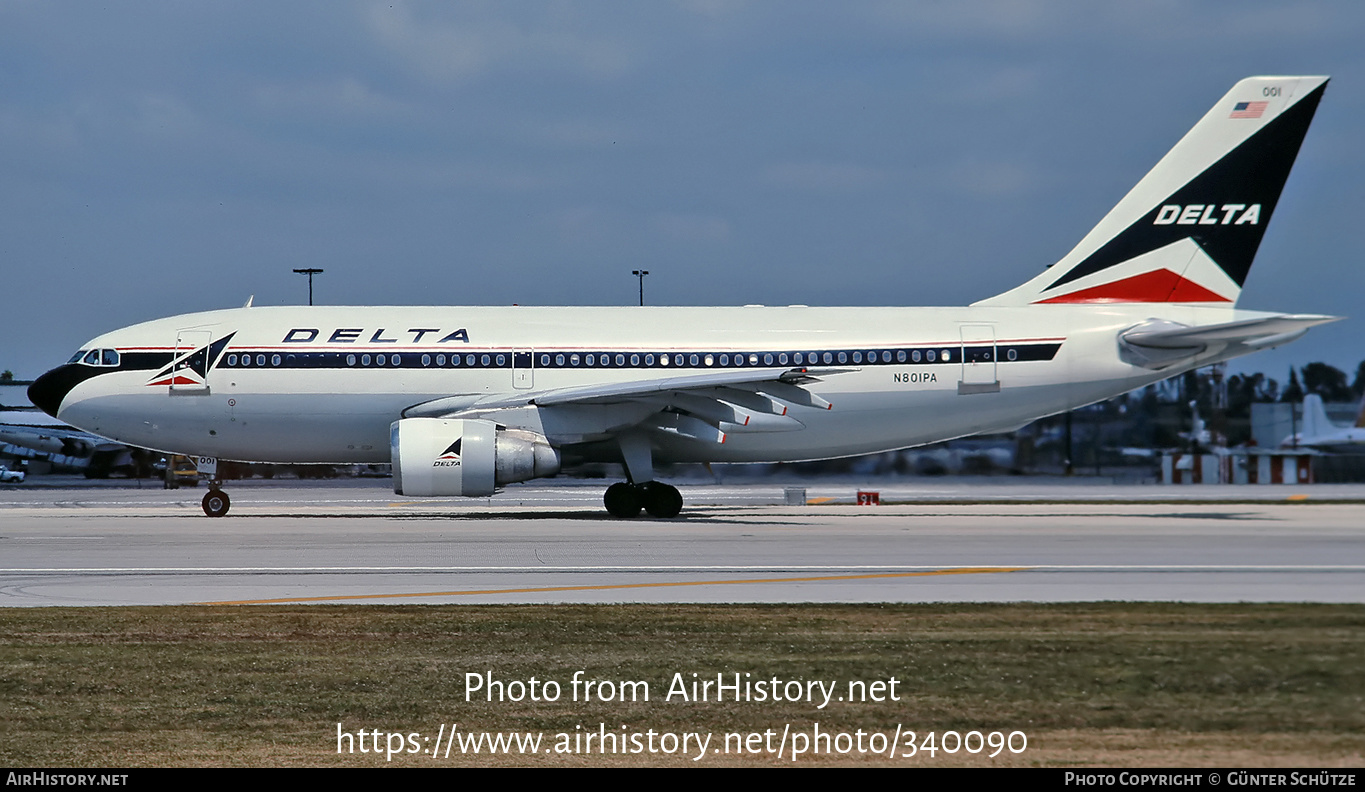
(1315, 420)
(1189, 230)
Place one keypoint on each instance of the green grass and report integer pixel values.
(1105, 683)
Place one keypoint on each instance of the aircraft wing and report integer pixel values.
(38, 432)
(625, 391)
(702, 407)
(1159, 343)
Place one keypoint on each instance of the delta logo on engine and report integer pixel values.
(449, 457)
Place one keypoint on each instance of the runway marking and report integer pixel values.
(551, 589)
(887, 568)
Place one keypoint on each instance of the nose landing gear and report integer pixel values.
(216, 502)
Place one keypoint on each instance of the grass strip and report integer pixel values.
(1134, 684)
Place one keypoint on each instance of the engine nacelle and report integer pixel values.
(439, 456)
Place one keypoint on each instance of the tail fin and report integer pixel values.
(1315, 420)
(1189, 230)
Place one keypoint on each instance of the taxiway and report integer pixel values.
(356, 542)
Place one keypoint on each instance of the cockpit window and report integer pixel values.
(97, 357)
(80, 353)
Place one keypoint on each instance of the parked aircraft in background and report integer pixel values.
(1318, 432)
(44, 437)
(465, 400)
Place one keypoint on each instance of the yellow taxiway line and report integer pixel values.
(551, 589)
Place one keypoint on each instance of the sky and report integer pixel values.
(164, 158)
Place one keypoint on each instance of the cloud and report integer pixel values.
(680, 227)
(459, 44)
(345, 96)
(824, 177)
(990, 179)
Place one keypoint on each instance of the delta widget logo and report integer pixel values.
(449, 457)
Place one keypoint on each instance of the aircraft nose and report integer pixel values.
(47, 391)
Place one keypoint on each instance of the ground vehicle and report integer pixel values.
(180, 472)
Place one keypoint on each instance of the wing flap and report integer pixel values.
(703, 407)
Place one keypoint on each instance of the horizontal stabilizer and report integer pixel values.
(1158, 343)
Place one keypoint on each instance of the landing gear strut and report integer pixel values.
(216, 502)
(657, 498)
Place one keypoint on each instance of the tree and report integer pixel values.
(1327, 381)
(6, 376)
(1293, 392)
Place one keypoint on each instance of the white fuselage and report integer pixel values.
(311, 388)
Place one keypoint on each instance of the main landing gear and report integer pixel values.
(216, 502)
(626, 499)
(655, 497)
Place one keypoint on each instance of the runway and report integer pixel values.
(355, 542)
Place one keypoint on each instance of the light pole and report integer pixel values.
(310, 272)
(641, 275)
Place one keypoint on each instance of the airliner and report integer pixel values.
(1318, 431)
(40, 436)
(463, 401)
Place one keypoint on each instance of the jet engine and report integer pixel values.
(440, 456)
